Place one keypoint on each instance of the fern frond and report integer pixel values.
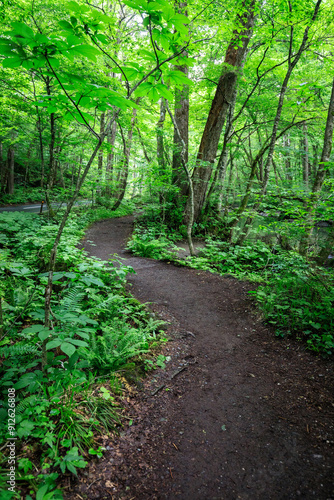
(72, 300)
(28, 402)
(19, 349)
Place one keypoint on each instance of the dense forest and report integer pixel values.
(214, 120)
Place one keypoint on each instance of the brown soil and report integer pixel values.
(237, 414)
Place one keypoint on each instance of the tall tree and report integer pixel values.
(233, 63)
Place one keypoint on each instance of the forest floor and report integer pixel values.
(236, 414)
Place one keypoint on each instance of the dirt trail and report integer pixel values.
(247, 417)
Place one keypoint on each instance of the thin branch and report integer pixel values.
(70, 99)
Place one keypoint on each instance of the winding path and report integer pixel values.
(237, 414)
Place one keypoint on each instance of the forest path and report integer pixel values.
(249, 416)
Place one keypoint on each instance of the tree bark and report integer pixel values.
(126, 158)
(287, 144)
(10, 169)
(292, 62)
(181, 116)
(100, 155)
(2, 169)
(233, 64)
(305, 156)
(319, 178)
(111, 138)
(160, 146)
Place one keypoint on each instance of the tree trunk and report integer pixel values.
(287, 145)
(292, 62)
(181, 116)
(100, 155)
(305, 156)
(218, 180)
(319, 178)
(125, 167)
(111, 138)
(10, 169)
(233, 64)
(160, 146)
(2, 169)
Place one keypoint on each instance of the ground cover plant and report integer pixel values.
(97, 332)
(294, 294)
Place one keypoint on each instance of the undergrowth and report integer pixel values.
(100, 336)
(293, 294)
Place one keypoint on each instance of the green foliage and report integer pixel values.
(111, 350)
(299, 299)
(97, 328)
(152, 240)
(294, 296)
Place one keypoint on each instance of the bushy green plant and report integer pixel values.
(299, 300)
(57, 412)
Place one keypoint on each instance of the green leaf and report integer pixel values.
(80, 343)
(12, 62)
(27, 379)
(67, 348)
(164, 92)
(43, 334)
(180, 18)
(25, 428)
(66, 25)
(73, 40)
(40, 495)
(53, 344)
(87, 51)
(153, 95)
(74, 21)
(22, 29)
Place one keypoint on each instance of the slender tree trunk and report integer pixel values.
(100, 155)
(287, 145)
(111, 138)
(40, 137)
(190, 221)
(319, 178)
(127, 143)
(10, 169)
(292, 62)
(315, 160)
(181, 115)
(160, 146)
(305, 156)
(233, 64)
(219, 176)
(147, 158)
(2, 169)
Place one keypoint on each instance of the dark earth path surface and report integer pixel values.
(241, 414)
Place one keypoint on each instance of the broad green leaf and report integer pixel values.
(41, 493)
(74, 21)
(80, 343)
(27, 379)
(164, 92)
(67, 348)
(66, 25)
(73, 40)
(12, 62)
(53, 344)
(43, 334)
(153, 95)
(22, 29)
(87, 51)
(180, 18)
